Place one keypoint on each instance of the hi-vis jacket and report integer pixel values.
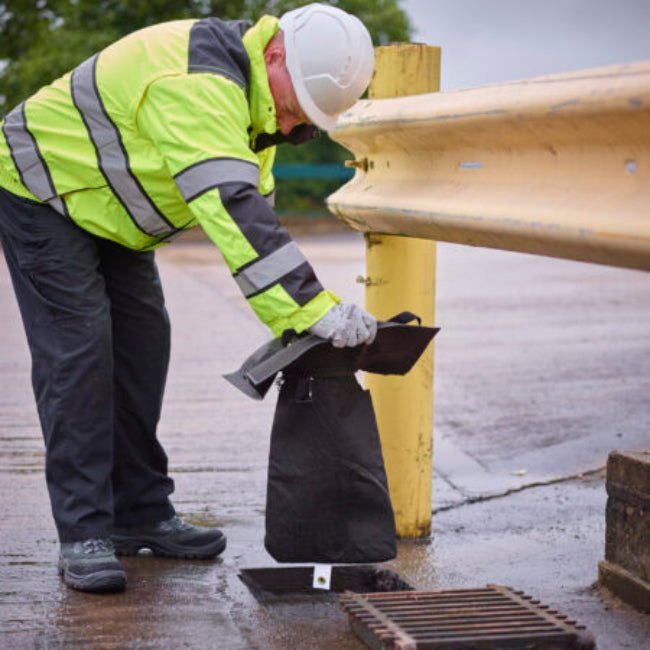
(160, 132)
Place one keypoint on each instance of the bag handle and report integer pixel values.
(289, 336)
(405, 317)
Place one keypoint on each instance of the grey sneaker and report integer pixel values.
(171, 538)
(91, 565)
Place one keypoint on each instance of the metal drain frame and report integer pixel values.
(295, 583)
(468, 619)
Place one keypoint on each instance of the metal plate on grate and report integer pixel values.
(490, 618)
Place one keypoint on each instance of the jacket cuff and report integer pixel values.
(303, 318)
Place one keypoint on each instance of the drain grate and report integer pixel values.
(471, 619)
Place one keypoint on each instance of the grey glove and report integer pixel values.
(346, 325)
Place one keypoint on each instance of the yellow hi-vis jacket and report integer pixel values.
(159, 132)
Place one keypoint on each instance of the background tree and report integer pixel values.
(41, 40)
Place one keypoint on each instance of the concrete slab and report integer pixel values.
(542, 368)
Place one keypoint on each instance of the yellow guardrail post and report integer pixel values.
(401, 276)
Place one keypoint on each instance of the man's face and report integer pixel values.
(287, 108)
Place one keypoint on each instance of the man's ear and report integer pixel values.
(274, 53)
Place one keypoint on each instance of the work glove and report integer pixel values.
(346, 325)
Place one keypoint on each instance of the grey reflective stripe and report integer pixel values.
(26, 156)
(270, 198)
(112, 157)
(206, 175)
(58, 204)
(269, 269)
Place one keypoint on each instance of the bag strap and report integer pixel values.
(291, 336)
(405, 317)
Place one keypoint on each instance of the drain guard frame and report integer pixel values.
(285, 584)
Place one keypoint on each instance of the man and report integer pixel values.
(170, 127)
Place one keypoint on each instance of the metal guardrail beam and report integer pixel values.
(556, 165)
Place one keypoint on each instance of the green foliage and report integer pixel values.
(307, 195)
(43, 39)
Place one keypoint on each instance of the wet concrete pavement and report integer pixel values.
(542, 368)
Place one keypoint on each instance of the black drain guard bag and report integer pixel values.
(327, 493)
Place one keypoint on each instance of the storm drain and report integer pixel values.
(295, 583)
(494, 617)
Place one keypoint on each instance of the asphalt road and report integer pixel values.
(542, 368)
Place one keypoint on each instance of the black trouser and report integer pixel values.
(98, 332)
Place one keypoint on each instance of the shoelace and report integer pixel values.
(177, 525)
(91, 546)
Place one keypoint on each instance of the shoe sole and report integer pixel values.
(126, 546)
(98, 582)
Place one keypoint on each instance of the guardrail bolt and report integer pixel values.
(362, 164)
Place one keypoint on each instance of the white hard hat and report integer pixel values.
(330, 60)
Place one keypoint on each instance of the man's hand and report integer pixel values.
(346, 325)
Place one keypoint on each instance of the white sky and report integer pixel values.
(487, 41)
